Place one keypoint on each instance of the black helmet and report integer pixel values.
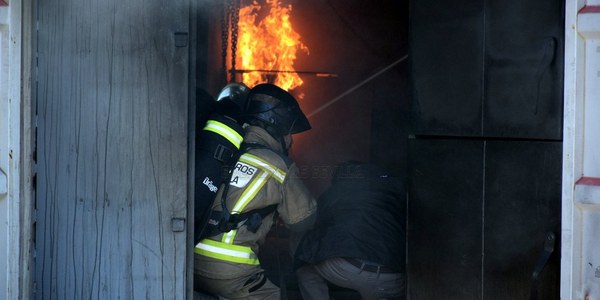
(232, 100)
(276, 110)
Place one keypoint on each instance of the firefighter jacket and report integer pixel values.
(261, 177)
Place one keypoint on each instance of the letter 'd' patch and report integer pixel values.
(242, 174)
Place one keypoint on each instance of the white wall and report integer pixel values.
(580, 264)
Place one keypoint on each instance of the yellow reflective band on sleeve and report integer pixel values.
(247, 196)
(226, 252)
(256, 161)
(225, 131)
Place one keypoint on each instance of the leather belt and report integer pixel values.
(369, 267)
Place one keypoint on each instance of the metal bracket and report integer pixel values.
(3, 182)
(178, 224)
(181, 39)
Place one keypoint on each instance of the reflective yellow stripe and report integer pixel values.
(229, 236)
(256, 161)
(247, 196)
(250, 192)
(224, 131)
(226, 252)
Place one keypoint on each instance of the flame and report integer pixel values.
(270, 44)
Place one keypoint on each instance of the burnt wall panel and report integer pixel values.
(510, 188)
(487, 68)
(523, 69)
(521, 46)
(446, 57)
(522, 205)
(444, 228)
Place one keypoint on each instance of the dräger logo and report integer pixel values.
(207, 182)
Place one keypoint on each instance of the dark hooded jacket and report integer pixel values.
(362, 215)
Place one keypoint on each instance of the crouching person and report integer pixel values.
(264, 183)
(358, 241)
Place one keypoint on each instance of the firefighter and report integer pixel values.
(264, 183)
(358, 241)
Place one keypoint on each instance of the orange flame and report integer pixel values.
(270, 44)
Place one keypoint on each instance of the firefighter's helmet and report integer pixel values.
(233, 99)
(276, 110)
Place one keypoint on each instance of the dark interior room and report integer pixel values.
(355, 93)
